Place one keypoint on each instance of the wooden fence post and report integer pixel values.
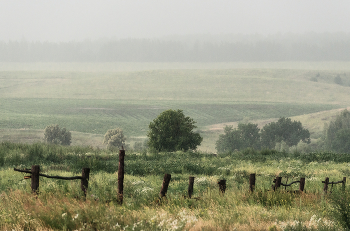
(165, 185)
(190, 186)
(302, 184)
(35, 178)
(325, 187)
(121, 176)
(252, 182)
(278, 182)
(222, 186)
(344, 182)
(85, 180)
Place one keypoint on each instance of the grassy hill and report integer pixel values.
(89, 99)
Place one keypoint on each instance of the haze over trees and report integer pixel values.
(204, 48)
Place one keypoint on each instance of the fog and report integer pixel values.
(78, 20)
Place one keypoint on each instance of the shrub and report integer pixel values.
(55, 135)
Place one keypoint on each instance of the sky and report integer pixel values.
(77, 20)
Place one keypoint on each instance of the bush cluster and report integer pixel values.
(250, 136)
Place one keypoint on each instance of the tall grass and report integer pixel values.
(61, 205)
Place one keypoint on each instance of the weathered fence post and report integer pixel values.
(121, 176)
(278, 181)
(302, 184)
(252, 182)
(165, 185)
(325, 187)
(222, 186)
(35, 178)
(85, 180)
(190, 186)
(344, 182)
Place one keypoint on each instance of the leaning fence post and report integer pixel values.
(35, 178)
(325, 187)
(344, 182)
(121, 176)
(190, 186)
(252, 182)
(85, 180)
(222, 186)
(165, 185)
(302, 184)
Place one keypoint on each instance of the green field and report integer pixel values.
(91, 98)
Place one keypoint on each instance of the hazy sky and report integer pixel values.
(65, 20)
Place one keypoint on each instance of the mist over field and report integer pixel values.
(186, 48)
(174, 31)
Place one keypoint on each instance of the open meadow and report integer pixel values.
(90, 98)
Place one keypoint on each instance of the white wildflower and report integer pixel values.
(76, 216)
(137, 182)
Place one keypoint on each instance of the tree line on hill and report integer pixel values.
(318, 47)
(173, 131)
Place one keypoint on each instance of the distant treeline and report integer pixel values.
(319, 47)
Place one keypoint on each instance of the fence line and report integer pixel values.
(35, 174)
(326, 183)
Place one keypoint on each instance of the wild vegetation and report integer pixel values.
(61, 204)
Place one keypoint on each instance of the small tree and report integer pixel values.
(172, 131)
(245, 136)
(55, 135)
(114, 138)
(284, 130)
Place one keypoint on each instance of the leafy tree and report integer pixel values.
(284, 130)
(55, 135)
(245, 136)
(114, 138)
(338, 133)
(172, 131)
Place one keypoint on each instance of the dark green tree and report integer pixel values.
(245, 136)
(337, 133)
(172, 131)
(55, 135)
(291, 132)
